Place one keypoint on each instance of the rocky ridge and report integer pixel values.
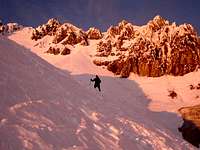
(9, 28)
(153, 50)
(62, 35)
(94, 34)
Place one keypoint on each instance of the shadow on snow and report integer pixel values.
(44, 107)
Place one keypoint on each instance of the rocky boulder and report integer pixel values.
(53, 50)
(66, 51)
(190, 128)
(57, 51)
(100, 63)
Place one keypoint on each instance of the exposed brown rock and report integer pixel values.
(172, 94)
(82, 38)
(104, 49)
(190, 128)
(198, 86)
(158, 48)
(9, 28)
(116, 66)
(60, 34)
(47, 29)
(53, 50)
(101, 63)
(70, 39)
(157, 23)
(127, 68)
(65, 51)
(64, 33)
(94, 33)
(124, 30)
(112, 32)
(69, 34)
(192, 87)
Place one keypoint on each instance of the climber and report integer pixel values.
(97, 82)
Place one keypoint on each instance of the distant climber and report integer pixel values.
(97, 82)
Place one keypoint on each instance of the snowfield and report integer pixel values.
(48, 103)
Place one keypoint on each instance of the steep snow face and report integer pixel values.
(39, 103)
(73, 115)
(154, 49)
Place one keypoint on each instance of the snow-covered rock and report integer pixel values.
(157, 23)
(9, 28)
(57, 35)
(65, 51)
(46, 29)
(69, 34)
(53, 50)
(94, 33)
(154, 49)
(104, 48)
(58, 50)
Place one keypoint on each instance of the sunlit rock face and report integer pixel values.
(94, 34)
(46, 29)
(58, 36)
(155, 49)
(69, 34)
(9, 28)
(190, 128)
(65, 33)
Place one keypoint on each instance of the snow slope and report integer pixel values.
(48, 103)
(41, 105)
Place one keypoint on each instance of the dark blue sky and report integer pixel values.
(99, 13)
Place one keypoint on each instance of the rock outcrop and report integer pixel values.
(46, 29)
(94, 34)
(69, 34)
(104, 48)
(9, 28)
(62, 33)
(1, 27)
(190, 128)
(57, 50)
(153, 50)
(66, 51)
(59, 35)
